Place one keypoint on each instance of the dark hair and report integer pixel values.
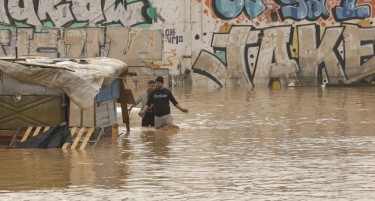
(151, 82)
(159, 79)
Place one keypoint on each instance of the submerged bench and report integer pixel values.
(81, 136)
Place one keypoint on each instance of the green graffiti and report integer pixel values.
(115, 25)
(143, 26)
(221, 55)
(78, 25)
(48, 25)
(7, 27)
(22, 25)
(151, 12)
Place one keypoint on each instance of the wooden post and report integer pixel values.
(115, 132)
(126, 97)
(124, 106)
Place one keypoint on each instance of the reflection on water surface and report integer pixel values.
(234, 144)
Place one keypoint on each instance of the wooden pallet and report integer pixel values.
(81, 136)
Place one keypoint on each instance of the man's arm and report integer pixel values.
(147, 106)
(145, 109)
(181, 109)
(175, 103)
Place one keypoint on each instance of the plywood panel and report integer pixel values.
(106, 113)
(30, 110)
(81, 117)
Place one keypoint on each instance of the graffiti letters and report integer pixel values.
(314, 52)
(84, 42)
(271, 56)
(310, 10)
(5, 41)
(132, 15)
(292, 9)
(348, 10)
(65, 13)
(23, 11)
(172, 37)
(57, 12)
(3, 15)
(360, 50)
(87, 10)
(229, 9)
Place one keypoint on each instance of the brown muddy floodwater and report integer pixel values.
(234, 144)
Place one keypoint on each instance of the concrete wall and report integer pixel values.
(221, 42)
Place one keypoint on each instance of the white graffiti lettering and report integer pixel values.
(63, 13)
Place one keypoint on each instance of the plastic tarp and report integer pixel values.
(80, 81)
(55, 137)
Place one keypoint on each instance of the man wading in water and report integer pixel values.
(159, 99)
(149, 117)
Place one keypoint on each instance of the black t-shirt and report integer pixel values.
(159, 98)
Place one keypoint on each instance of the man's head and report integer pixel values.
(151, 85)
(159, 81)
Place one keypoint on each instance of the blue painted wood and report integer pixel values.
(111, 92)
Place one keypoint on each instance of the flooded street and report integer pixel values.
(234, 144)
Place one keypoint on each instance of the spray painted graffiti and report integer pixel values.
(172, 37)
(232, 9)
(49, 28)
(281, 43)
(61, 13)
(237, 42)
(310, 10)
(250, 58)
(292, 9)
(113, 42)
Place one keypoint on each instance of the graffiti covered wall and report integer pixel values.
(223, 42)
(303, 42)
(78, 29)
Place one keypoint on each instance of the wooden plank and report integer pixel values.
(46, 128)
(75, 114)
(27, 133)
(81, 117)
(76, 140)
(72, 133)
(36, 132)
(76, 137)
(129, 96)
(87, 138)
(124, 105)
(105, 114)
(88, 116)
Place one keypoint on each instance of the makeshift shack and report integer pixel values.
(47, 92)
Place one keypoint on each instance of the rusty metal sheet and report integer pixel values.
(30, 110)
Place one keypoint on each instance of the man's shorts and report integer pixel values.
(163, 120)
(148, 119)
